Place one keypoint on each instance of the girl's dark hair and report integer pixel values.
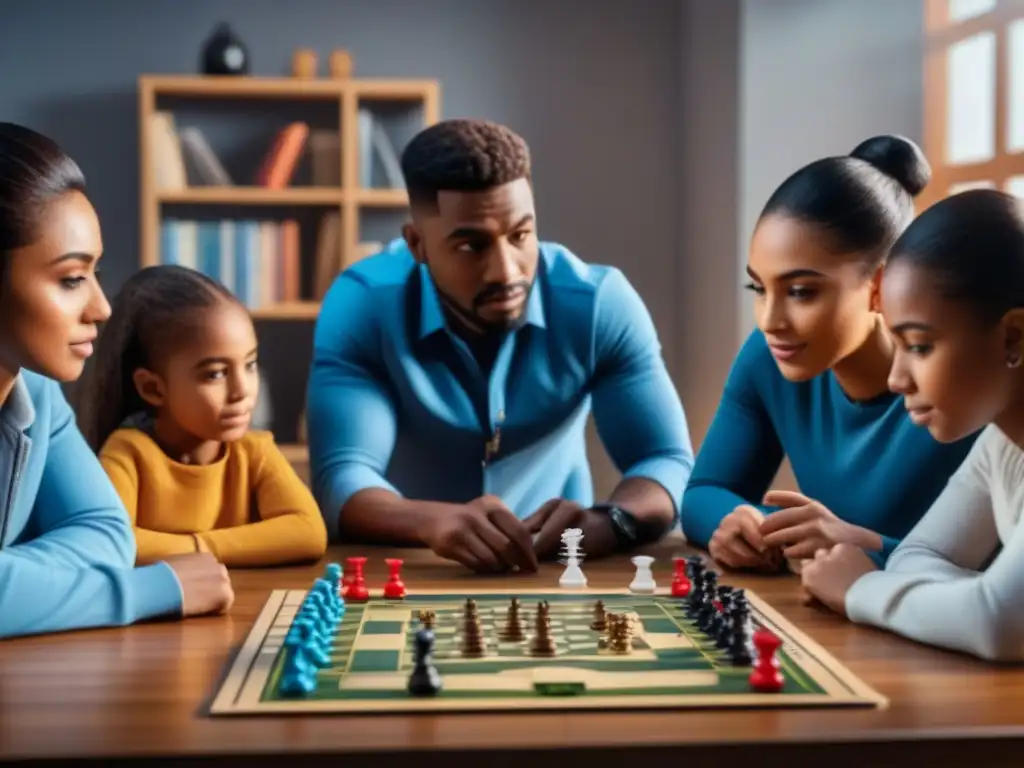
(154, 311)
(863, 200)
(33, 171)
(973, 245)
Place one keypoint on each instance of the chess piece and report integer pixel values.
(424, 679)
(643, 581)
(394, 589)
(513, 623)
(572, 555)
(472, 632)
(620, 632)
(426, 618)
(600, 622)
(766, 677)
(680, 581)
(356, 591)
(304, 63)
(543, 643)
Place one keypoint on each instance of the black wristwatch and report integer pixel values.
(624, 525)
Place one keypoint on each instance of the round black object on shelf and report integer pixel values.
(224, 53)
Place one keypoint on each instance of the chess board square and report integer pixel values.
(382, 627)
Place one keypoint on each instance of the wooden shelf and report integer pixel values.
(346, 95)
(382, 198)
(207, 86)
(291, 310)
(252, 196)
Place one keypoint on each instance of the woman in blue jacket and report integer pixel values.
(67, 551)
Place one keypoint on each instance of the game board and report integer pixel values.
(672, 664)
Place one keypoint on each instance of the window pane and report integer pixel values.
(971, 99)
(959, 10)
(1015, 87)
(1015, 186)
(965, 185)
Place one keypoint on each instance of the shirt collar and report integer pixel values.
(432, 313)
(18, 411)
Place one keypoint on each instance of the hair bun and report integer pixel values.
(899, 158)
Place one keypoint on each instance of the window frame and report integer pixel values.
(940, 35)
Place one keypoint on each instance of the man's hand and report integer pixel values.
(483, 535)
(804, 526)
(205, 584)
(738, 544)
(832, 572)
(554, 516)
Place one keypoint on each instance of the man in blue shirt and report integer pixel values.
(453, 375)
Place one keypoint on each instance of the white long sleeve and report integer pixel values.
(932, 589)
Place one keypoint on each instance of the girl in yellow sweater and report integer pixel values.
(172, 395)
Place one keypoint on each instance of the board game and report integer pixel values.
(315, 651)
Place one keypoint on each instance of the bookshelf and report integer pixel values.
(348, 200)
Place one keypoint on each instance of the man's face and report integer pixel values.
(481, 249)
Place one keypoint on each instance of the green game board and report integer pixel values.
(672, 663)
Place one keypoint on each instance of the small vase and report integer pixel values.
(224, 53)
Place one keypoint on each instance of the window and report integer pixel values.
(974, 96)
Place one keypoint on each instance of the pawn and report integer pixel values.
(356, 591)
(766, 676)
(394, 589)
(513, 622)
(680, 581)
(543, 643)
(424, 679)
(600, 622)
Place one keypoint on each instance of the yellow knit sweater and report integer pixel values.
(248, 508)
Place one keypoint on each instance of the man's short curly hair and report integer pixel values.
(462, 156)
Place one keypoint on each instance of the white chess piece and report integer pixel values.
(643, 581)
(571, 556)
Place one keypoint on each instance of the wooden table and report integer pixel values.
(142, 692)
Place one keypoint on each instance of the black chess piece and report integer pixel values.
(706, 610)
(741, 649)
(424, 679)
(695, 571)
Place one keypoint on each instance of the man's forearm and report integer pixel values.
(649, 502)
(381, 517)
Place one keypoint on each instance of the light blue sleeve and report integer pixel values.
(78, 570)
(637, 410)
(351, 419)
(741, 452)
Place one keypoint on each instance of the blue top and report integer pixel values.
(397, 401)
(866, 462)
(67, 549)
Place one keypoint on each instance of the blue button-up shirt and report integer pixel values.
(397, 400)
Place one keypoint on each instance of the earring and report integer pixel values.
(1013, 359)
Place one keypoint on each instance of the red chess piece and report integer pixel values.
(766, 675)
(350, 569)
(395, 587)
(356, 591)
(680, 582)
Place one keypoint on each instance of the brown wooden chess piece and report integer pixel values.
(543, 643)
(427, 619)
(472, 632)
(600, 622)
(513, 623)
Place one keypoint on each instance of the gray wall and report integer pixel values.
(818, 77)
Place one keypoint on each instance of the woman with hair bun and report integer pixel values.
(67, 549)
(810, 383)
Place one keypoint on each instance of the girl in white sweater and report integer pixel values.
(953, 298)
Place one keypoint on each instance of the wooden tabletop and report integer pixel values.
(143, 692)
